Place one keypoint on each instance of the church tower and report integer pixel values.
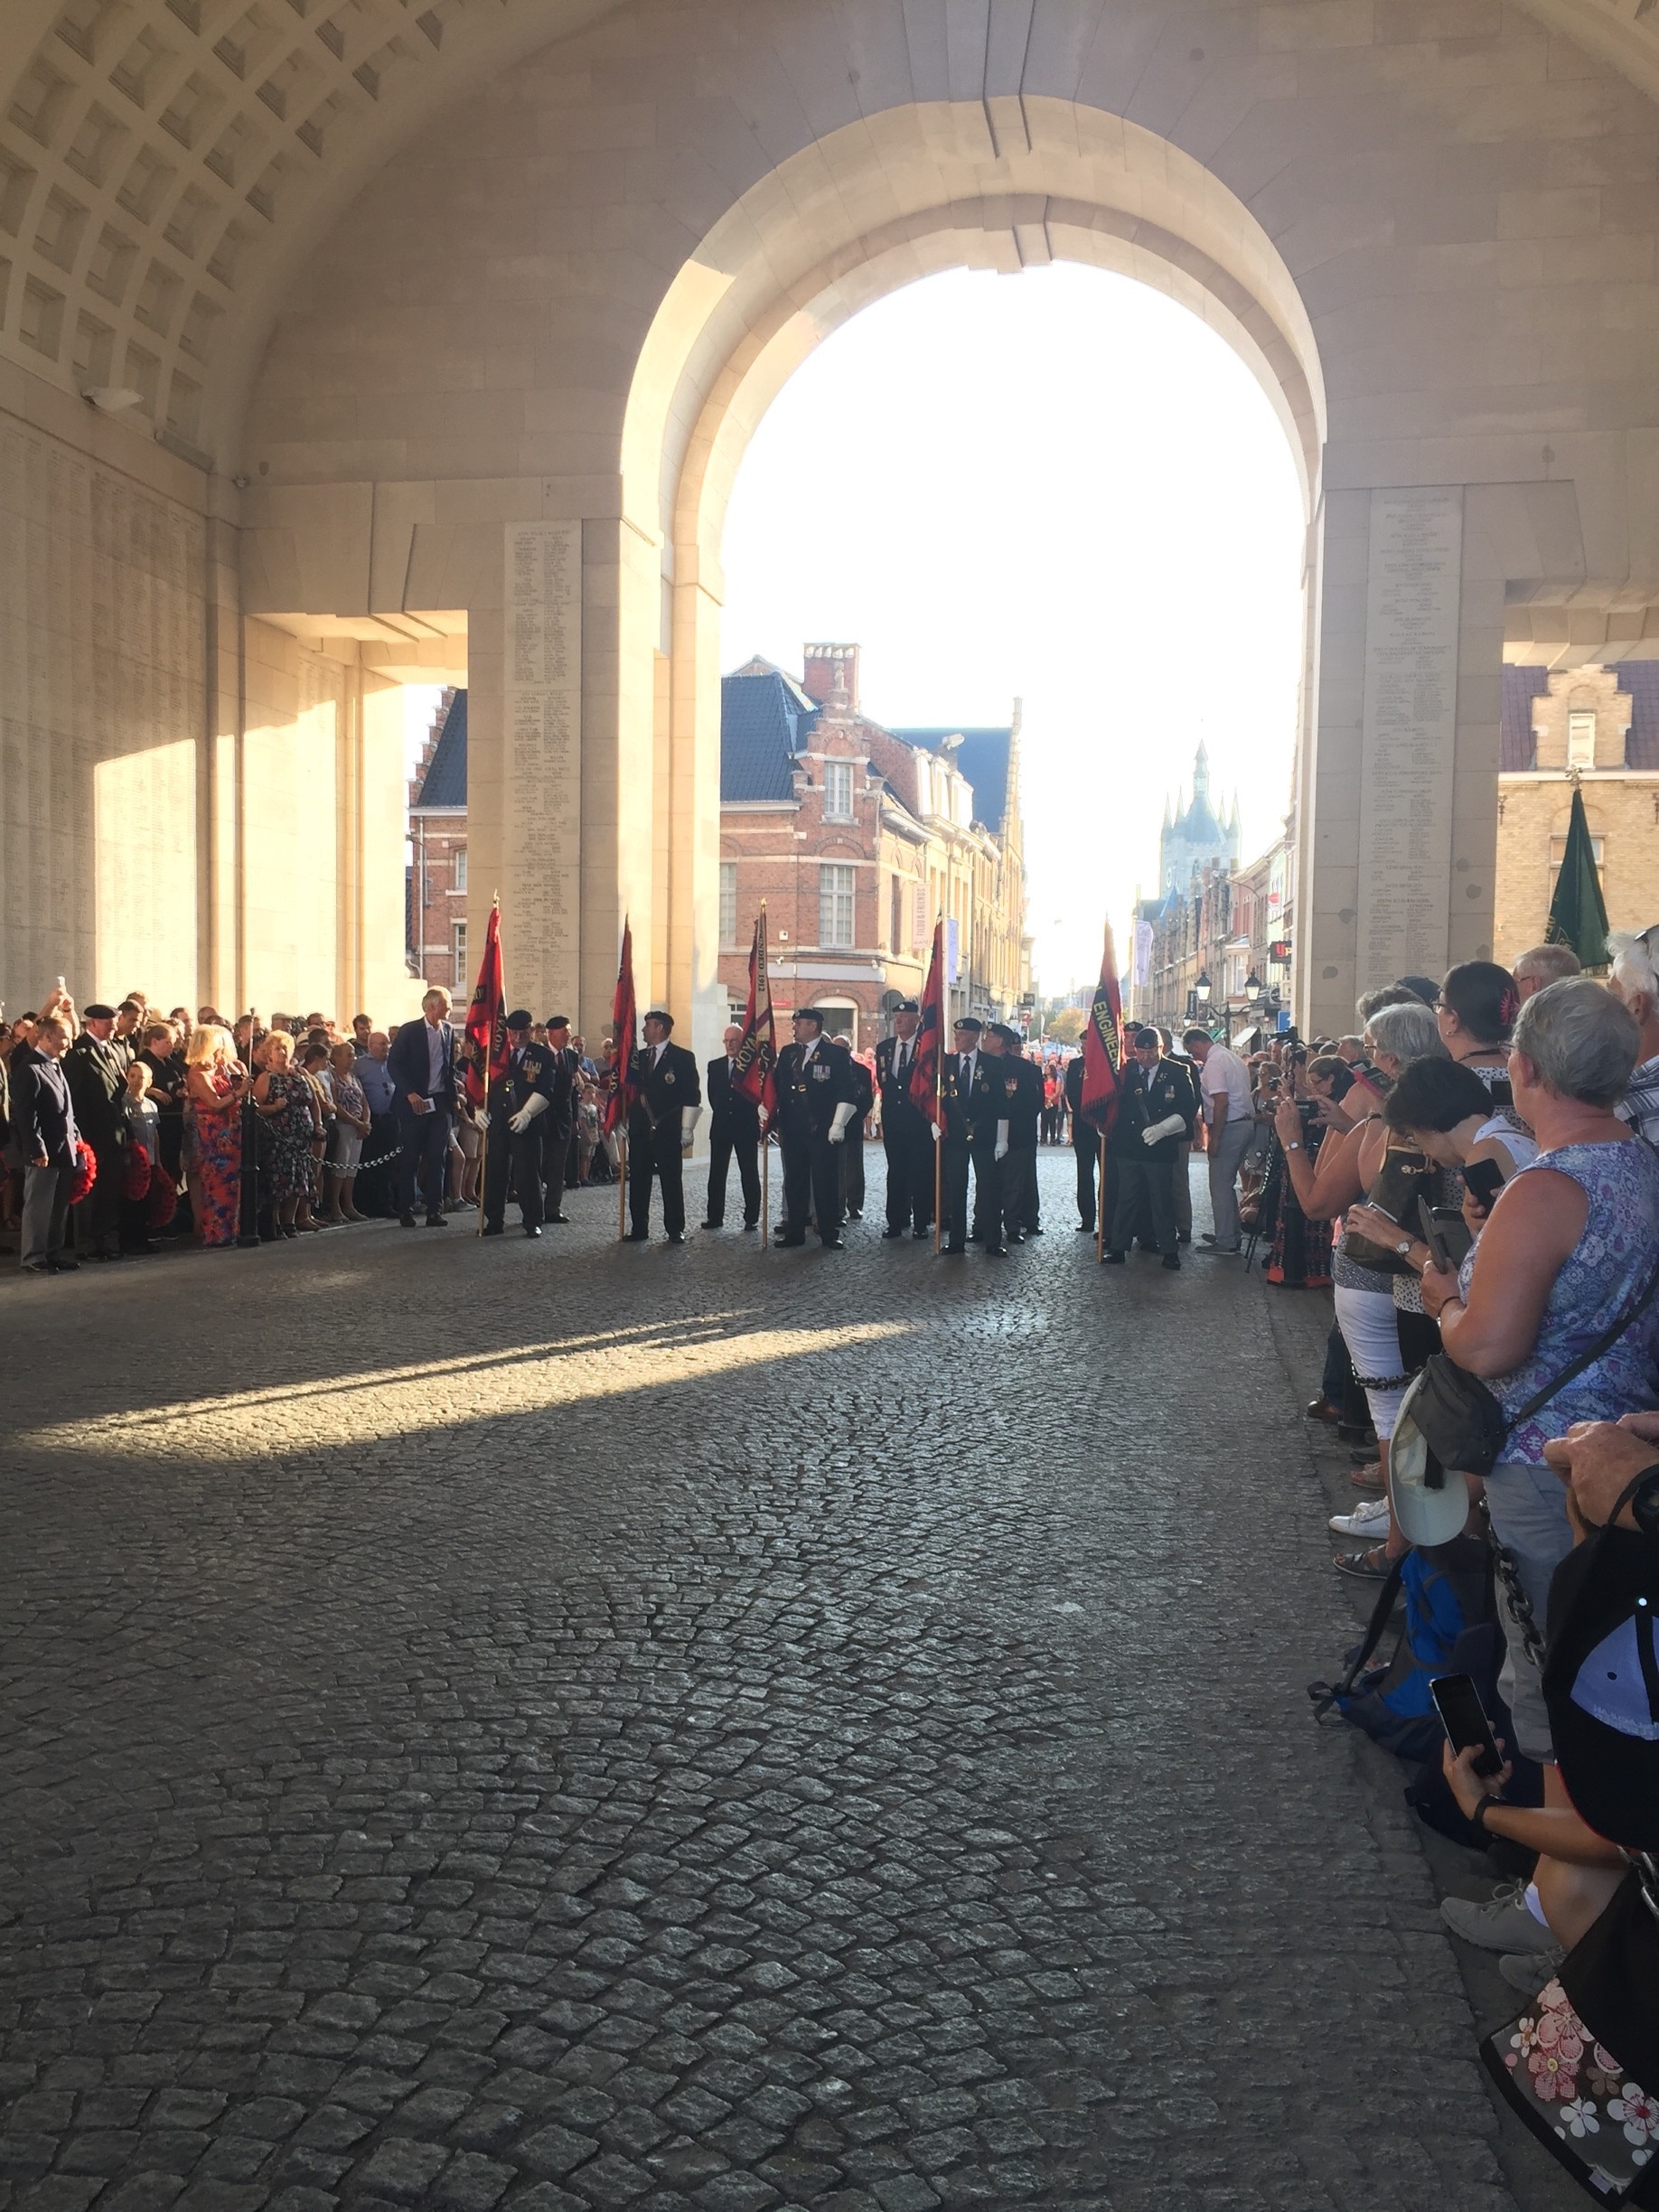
(1199, 837)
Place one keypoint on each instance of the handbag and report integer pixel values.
(1394, 1190)
(1461, 1421)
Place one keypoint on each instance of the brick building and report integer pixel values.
(1597, 727)
(436, 909)
(857, 838)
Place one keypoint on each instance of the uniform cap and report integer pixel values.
(967, 1021)
(907, 1005)
(519, 1019)
(558, 1021)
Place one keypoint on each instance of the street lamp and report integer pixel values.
(1201, 989)
(1252, 990)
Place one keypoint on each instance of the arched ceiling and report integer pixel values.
(165, 164)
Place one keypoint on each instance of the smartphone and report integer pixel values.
(1431, 1234)
(1486, 1179)
(1457, 1702)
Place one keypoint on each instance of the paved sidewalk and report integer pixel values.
(566, 1725)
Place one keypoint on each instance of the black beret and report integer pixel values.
(811, 1014)
(967, 1021)
(98, 1011)
(519, 1019)
(557, 1021)
(907, 1005)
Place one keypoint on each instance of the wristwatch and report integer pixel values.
(1644, 1504)
(1478, 1818)
(1403, 1246)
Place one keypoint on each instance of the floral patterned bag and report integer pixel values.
(1575, 2096)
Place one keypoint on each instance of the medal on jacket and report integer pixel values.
(668, 1075)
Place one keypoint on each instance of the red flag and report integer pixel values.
(1102, 1044)
(929, 1036)
(624, 1026)
(483, 1050)
(757, 1053)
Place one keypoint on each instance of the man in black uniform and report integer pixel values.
(1145, 1134)
(852, 1146)
(734, 1129)
(1181, 1172)
(1085, 1144)
(95, 1068)
(516, 1110)
(667, 1103)
(976, 1131)
(560, 1121)
(816, 1101)
(1022, 1085)
(907, 1133)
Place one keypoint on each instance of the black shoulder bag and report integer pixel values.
(1463, 1424)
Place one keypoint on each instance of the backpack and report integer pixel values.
(1448, 1591)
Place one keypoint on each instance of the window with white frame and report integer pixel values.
(837, 791)
(835, 904)
(918, 916)
(728, 901)
(460, 882)
(1581, 738)
(458, 936)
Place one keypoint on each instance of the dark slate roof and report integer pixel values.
(1521, 686)
(764, 721)
(983, 758)
(445, 781)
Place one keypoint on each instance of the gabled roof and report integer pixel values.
(1521, 686)
(983, 758)
(764, 721)
(445, 781)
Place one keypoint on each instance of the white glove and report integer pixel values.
(1167, 1127)
(535, 1104)
(481, 1120)
(689, 1116)
(937, 1129)
(838, 1124)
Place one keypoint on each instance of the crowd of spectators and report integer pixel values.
(125, 1131)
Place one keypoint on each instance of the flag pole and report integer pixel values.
(622, 1183)
(1099, 1204)
(766, 1182)
(939, 1053)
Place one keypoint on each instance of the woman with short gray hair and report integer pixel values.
(1571, 1244)
(1405, 1032)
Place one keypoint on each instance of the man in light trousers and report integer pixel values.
(1229, 1126)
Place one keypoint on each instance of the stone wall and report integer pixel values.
(1622, 809)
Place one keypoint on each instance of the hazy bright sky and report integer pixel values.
(1060, 486)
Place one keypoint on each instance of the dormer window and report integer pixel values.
(1581, 737)
(837, 791)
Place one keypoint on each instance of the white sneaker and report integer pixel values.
(1369, 1521)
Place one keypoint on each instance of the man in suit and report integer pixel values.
(422, 1067)
(557, 1125)
(668, 1102)
(1022, 1083)
(519, 1106)
(1085, 1144)
(907, 1133)
(96, 1072)
(43, 1131)
(1181, 1176)
(816, 1100)
(852, 1146)
(1146, 1130)
(975, 1133)
(734, 1129)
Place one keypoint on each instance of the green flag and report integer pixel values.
(1578, 915)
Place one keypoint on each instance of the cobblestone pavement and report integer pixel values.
(571, 1725)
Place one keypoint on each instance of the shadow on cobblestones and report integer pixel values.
(563, 1727)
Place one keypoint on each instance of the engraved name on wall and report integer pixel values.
(543, 625)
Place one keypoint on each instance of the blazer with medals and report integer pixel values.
(810, 1089)
(1147, 1096)
(1022, 1087)
(558, 1082)
(94, 1069)
(529, 1070)
(894, 1087)
(665, 1081)
(972, 1116)
(730, 1113)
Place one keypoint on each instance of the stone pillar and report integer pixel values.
(219, 843)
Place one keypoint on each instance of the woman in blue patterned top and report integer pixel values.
(1571, 1242)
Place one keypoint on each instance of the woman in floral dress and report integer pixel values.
(214, 1083)
(288, 1121)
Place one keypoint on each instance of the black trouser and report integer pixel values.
(906, 1137)
(724, 1143)
(656, 1153)
(519, 1156)
(1019, 1189)
(1144, 1187)
(987, 1190)
(1087, 1155)
(97, 1215)
(812, 1185)
(425, 1158)
(852, 1169)
(373, 1191)
(555, 1144)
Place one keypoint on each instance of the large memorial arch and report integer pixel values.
(447, 329)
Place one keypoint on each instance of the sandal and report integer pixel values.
(1369, 1566)
(1368, 1478)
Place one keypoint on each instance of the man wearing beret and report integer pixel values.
(1022, 1085)
(904, 1129)
(667, 1103)
(558, 1123)
(976, 1134)
(518, 1103)
(1146, 1136)
(95, 1068)
(816, 1100)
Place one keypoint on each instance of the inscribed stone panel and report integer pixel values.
(542, 644)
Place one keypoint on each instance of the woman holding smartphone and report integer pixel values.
(1446, 1111)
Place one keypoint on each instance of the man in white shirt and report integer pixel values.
(1229, 1116)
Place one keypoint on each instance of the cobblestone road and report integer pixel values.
(573, 1725)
